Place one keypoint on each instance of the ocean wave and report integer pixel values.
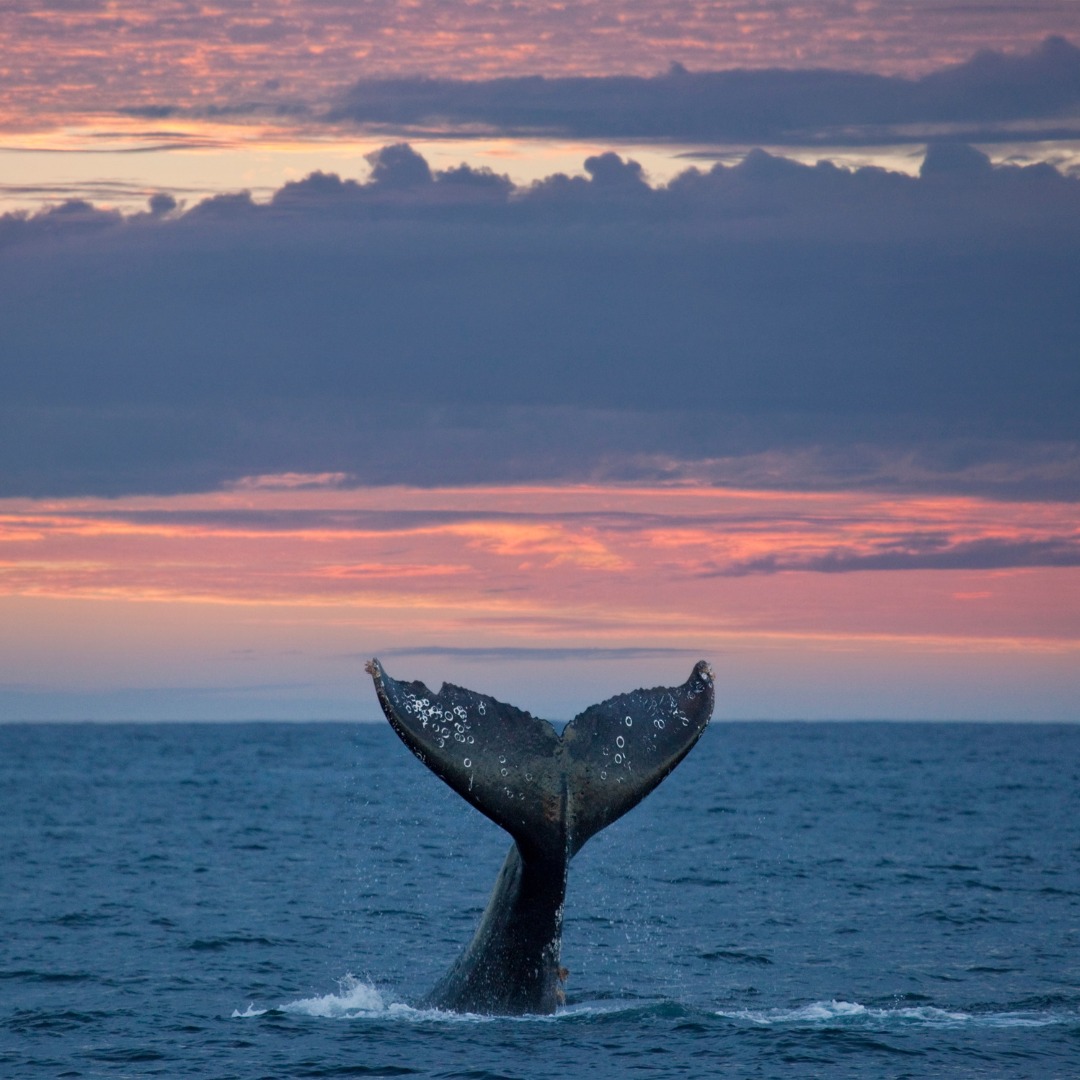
(356, 999)
(850, 1013)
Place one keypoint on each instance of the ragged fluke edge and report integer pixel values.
(551, 792)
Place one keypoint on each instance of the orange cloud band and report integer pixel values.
(538, 562)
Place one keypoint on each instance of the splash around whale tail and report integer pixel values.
(551, 793)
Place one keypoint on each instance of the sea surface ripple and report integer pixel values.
(797, 900)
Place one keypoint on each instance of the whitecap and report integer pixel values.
(826, 1013)
(354, 998)
(357, 1000)
(815, 1012)
(248, 1012)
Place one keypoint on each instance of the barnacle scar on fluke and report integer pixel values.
(550, 792)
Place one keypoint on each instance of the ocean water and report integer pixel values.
(796, 900)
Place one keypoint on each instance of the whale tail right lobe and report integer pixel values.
(621, 749)
(552, 793)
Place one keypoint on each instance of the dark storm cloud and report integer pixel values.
(985, 97)
(769, 323)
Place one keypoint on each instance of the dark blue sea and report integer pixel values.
(796, 900)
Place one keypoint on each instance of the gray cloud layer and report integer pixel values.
(927, 554)
(986, 96)
(769, 323)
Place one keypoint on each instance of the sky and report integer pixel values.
(540, 348)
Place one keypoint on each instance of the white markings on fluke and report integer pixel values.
(605, 765)
(445, 724)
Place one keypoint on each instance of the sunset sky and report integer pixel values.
(542, 348)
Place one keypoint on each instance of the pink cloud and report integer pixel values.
(619, 564)
(96, 58)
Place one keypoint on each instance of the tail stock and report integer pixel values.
(551, 792)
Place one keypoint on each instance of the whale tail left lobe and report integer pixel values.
(550, 792)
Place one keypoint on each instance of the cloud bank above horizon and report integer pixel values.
(765, 323)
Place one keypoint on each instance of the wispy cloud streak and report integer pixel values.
(933, 552)
(551, 654)
(607, 558)
(262, 601)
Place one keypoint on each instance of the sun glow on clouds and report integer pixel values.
(63, 57)
(196, 158)
(671, 562)
(811, 603)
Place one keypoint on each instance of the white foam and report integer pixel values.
(249, 1011)
(354, 998)
(828, 1012)
(813, 1013)
(357, 1000)
(1024, 1020)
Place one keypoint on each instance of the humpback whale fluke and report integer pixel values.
(550, 792)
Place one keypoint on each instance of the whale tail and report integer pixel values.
(551, 793)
